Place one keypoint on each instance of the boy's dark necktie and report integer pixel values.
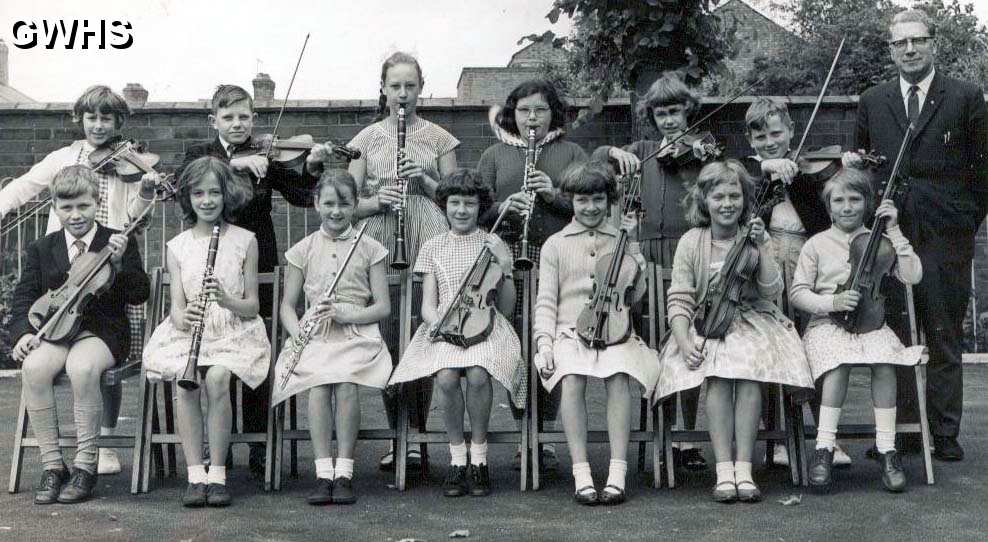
(912, 104)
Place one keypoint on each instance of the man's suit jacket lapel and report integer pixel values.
(933, 100)
(895, 103)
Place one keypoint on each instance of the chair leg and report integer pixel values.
(17, 460)
(924, 422)
(158, 459)
(790, 418)
(271, 438)
(536, 427)
(279, 448)
(667, 444)
(401, 446)
(172, 464)
(524, 449)
(804, 475)
(151, 427)
(642, 426)
(138, 465)
(293, 444)
(657, 446)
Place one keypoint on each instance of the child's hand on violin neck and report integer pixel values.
(498, 250)
(846, 300)
(627, 163)
(118, 245)
(784, 168)
(851, 159)
(888, 210)
(149, 184)
(255, 164)
(320, 154)
(758, 232)
(629, 223)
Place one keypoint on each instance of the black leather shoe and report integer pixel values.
(947, 449)
(612, 495)
(455, 484)
(322, 494)
(692, 460)
(79, 488)
(480, 480)
(893, 476)
(195, 496)
(217, 495)
(820, 467)
(50, 485)
(343, 491)
(587, 496)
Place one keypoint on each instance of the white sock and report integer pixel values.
(478, 453)
(826, 428)
(725, 472)
(216, 475)
(581, 475)
(107, 431)
(458, 454)
(885, 429)
(324, 468)
(344, 467)
(616, 472)
(742, 472)
(197, 474)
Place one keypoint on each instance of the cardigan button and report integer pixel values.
(592, 254)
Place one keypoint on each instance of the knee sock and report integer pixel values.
(478, 453)
(885, 429)
(725, 472)
(344, 467)
(197, 474)
(458, 454)
(616, 472)
(216, 475)
(324, 468)
(87, 420)
(44, 424)
(107, 431)
(581, 475)
(742, 472)
(826, 428)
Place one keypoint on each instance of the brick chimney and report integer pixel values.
(135, 95)
(4, 68)
(263, 87)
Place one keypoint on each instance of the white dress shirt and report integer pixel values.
(924, 88)
(70, 241)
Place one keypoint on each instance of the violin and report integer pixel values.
(125, 157)
(57, 315)
(818, 166)
(290, 152)
(871, 257)
(714, 316)
(680, 154)
(606, 318)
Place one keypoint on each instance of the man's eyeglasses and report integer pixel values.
(919, 42)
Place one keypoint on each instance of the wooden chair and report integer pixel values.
(411, 434)
(22, 441)
(654, 322)
(294, 434)
(151, 438)
(848, 431)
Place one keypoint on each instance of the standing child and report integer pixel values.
(761, 344)
(103, 339)
(346, 349)
(444, 262)
(668, 107)
(233, 341)
(565, 284)
(823, 266)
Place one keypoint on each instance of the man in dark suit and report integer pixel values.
(103, 338)
(947, 172)
(233, 118)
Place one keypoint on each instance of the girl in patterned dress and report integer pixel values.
(566, 283)
(443, 262)
(823, 266)
(429, 156)
(761, 344)
(346, 349)
(234, 341)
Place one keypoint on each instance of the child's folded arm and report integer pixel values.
(801, 293)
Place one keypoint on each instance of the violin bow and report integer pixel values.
(288, 92)
(819, 100)
(704, 118)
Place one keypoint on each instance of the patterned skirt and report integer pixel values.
(829, 346)
(632, 357)
(760, 345)
(337, 353)
(499, 355)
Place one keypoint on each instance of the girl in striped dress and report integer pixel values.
(444, 261)
(429, 156)
(566, 274)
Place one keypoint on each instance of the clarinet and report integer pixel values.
(523, 262)
(400, 260)
(309, 325)
(190, 378)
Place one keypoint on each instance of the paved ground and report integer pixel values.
(858, 509)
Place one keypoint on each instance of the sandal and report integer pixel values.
(752, 494)
(725, 492)
(609, 498)
(586, 495)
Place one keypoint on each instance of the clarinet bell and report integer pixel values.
(401, 258)
(523, 262)
(189, 381)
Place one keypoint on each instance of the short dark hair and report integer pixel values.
(465, 182)
(587, 178)
(227, 95)
(101, 99)
(338, 179)
(236, 191)
(506, 116)
(668, 89)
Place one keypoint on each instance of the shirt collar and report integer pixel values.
(227, 146)
(844, 235)
(88, 238)
(924, 85)
(576, 228)
(342, 237)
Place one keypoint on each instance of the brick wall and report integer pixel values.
(536, 54)
(755, 35)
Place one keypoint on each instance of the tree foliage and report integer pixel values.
(962, 44)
